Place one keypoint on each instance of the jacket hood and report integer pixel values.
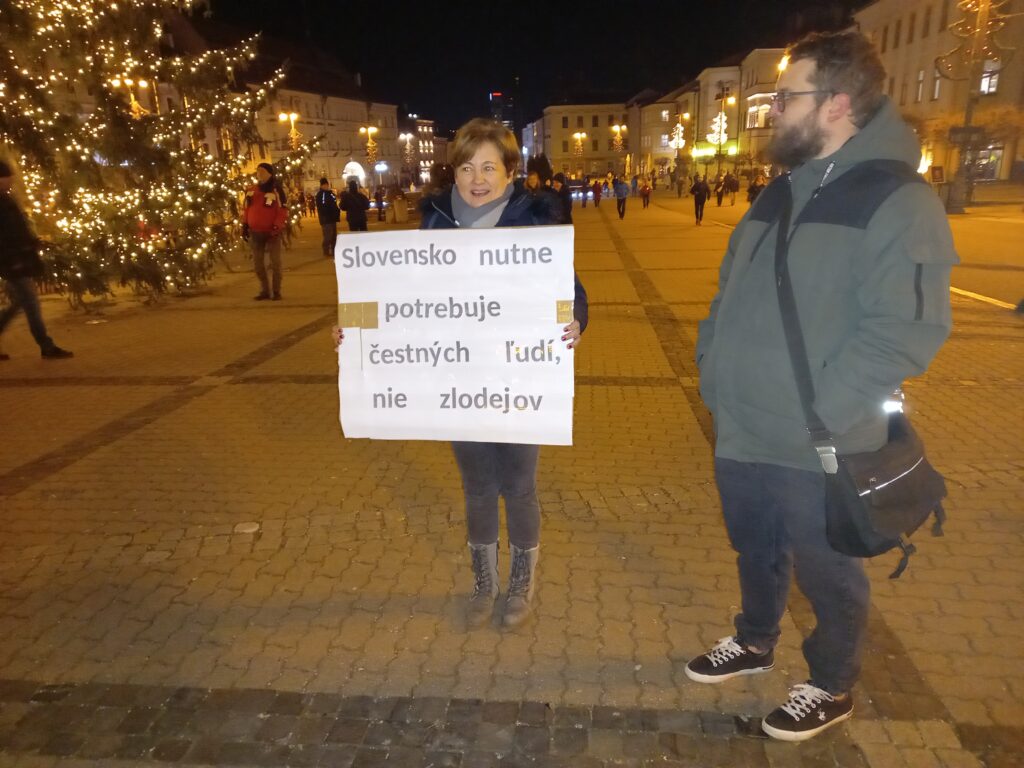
(886, 137)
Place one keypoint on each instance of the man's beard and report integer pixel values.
(796, 144)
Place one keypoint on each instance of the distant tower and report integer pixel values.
(502, 108)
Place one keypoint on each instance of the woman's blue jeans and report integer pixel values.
(775, 518)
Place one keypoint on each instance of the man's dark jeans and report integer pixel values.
(620, 206)
(22, 293)
(775, 517)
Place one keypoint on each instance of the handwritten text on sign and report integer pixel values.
(456, 334)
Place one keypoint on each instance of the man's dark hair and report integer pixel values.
(323, 181)
(845, 62)
(353, 186)
(6, 169)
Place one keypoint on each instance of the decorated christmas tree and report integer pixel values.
(132, 156)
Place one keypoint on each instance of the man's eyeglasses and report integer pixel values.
(780, 98)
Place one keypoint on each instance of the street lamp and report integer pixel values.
(407, 138)
(371, 145)
(578, 149)
(719, 133)
(129, 84)
(293, 134)
(678, 140)
(618, 130)
(380, 168)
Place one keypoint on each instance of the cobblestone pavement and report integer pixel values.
(196, 568)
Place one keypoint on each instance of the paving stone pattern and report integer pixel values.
(196, 568)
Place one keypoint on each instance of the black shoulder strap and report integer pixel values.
(820, 435)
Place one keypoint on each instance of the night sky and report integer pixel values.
(441, 59)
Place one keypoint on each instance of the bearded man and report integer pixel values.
(869, 259)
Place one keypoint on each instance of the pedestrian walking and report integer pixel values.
(328, 215)
(634, 184)
(311, 204)
(378, 199)
(486, 156)
(645, 193)
(732, 186)
(266, 216)
(701, 192)
(621, 191)
(584, 191)
(873, 313)
(719, 189)
(564, 194)
(355, 205)
(20, 265)
(755, 188)
(597, 193)
(680, 185)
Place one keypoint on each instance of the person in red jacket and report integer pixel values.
(265, 218)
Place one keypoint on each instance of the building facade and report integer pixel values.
(916, 45)
(581, 139)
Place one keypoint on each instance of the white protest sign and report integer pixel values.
(456, 334)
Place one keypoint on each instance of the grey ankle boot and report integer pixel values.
(521, 585)
(485, 583)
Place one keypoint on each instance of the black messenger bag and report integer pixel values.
(873, 500)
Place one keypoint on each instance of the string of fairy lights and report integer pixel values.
(121, 187)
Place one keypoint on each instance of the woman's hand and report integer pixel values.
(572, 334)
(337, 336)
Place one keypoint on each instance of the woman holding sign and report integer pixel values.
(485, 157)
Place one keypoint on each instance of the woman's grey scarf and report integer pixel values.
(486, 215)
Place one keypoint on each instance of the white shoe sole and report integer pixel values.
(697, 677)
(775, 733)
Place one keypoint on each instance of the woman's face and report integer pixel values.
(483, 177)
(262, 175)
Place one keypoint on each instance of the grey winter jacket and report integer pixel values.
(870, 269)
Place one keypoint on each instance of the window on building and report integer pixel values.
(664, 140)
(579, 121)
(926, 22)
(910, 27)
(896, 32)
(611, 119)
(664, 115)
(623, 120)
(757, 116)
(595, 144)
(944, 15)
(565, 146)
(936, 84)
(919, 94)
(565, 122)
(611, 145)
(885, 39)
(903, 93)
(989, 78)
(594, 121)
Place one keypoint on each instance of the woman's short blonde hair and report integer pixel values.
(479, 131)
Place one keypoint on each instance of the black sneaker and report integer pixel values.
(277, 297)
(56, 353)
(261, 297)
(728, 659)
(808, 711)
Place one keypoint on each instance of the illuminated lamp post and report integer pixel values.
(294, 136)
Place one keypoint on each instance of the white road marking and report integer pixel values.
(979, 297)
